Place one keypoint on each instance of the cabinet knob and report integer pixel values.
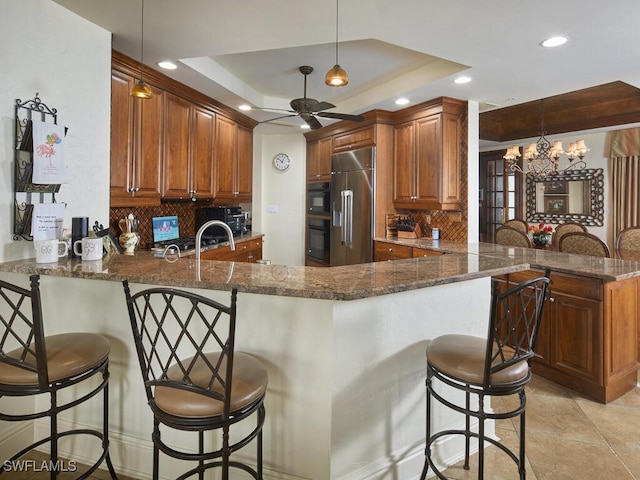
(552, 300)
(390, 249)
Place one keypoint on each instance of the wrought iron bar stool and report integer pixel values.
(34, 364)
(497, 365)
(194, 378)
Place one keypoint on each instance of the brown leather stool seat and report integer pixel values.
(195, 380)
(68, 355)
(33, 364)
(495, 365)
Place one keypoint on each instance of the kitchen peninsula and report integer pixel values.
(344, 345)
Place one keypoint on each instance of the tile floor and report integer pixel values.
(569, 437)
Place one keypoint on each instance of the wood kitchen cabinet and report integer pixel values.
(427, 156)
(234, 161)
(319, 159)
(136, 144)
(384, 251)
(354, 140)
(248, 251)
(188, 165)
(167, 146)
(588, 338)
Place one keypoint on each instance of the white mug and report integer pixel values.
(91, 248)
(48, 251)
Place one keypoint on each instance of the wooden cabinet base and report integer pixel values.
(616, 386)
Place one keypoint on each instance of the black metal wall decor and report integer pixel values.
(25, 192)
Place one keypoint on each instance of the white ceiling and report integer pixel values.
(249, 51)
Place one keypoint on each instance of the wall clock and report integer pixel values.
(281, 162)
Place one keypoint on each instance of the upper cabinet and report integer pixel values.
(188, 150)
(179, 144)
(427, 156)
(319, 159)
(136, 144)
(234, 162)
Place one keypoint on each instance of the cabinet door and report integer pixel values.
(363, 137)
(226, 141)
(404, 165)
(136, 144)
(244, 164)
(576, 336)
(202, 159)
(148, 155)
(428, 155)
(176, 165)
(319, 159)
(121, 137)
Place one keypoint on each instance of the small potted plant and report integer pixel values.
(541, 233)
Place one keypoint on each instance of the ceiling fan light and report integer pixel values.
(141, 90)
(336, 77)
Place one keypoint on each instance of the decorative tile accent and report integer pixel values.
(184, 210)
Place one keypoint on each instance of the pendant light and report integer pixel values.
(336, 77)
(141, 89)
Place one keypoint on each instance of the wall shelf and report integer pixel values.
(25, 192)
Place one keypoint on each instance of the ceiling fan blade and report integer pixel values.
(312, 122)
(341, 116)
(278, 118)
(277, 110)
(320, 106)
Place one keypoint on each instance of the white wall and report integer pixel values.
(44, 48)
(279, 200)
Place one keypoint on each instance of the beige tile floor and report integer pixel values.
(569, 437)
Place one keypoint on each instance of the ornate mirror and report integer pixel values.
(575, 196)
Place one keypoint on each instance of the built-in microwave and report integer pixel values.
(319, 198)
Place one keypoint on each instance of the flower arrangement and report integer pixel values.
(541, 233)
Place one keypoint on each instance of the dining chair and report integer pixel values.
(33, 364)
(628, 240)
(517, 224)
(510, 237)
(195, 380)
(583, 243)
(480, 368)
(563, 229)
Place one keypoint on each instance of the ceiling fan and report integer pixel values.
(309, 108)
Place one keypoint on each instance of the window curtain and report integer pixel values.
(624, 178)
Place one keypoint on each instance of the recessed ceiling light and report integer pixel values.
(167, 65)
(305, 127)
(244, 107)
(402, 101)
(554, 41)
(462, 79)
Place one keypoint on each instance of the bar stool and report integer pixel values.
(194, 378)
(33, 364)
(497, 365)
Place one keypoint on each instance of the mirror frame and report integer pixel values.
(595, 215)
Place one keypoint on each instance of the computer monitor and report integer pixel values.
(165, 228)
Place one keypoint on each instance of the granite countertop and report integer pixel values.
(606, 269)
(460, 263)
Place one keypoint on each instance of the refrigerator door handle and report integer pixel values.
(347, 210)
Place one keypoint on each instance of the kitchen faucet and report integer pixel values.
(208, 224)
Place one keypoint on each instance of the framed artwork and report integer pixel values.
(556, 204)
(555, 187)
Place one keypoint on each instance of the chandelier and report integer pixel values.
(543, 158)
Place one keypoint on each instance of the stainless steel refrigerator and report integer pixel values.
(352, 207)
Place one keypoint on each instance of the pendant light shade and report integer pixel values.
(141, 89)
(337, 76)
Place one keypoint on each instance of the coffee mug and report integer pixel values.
(90, 248)
(48, 251)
